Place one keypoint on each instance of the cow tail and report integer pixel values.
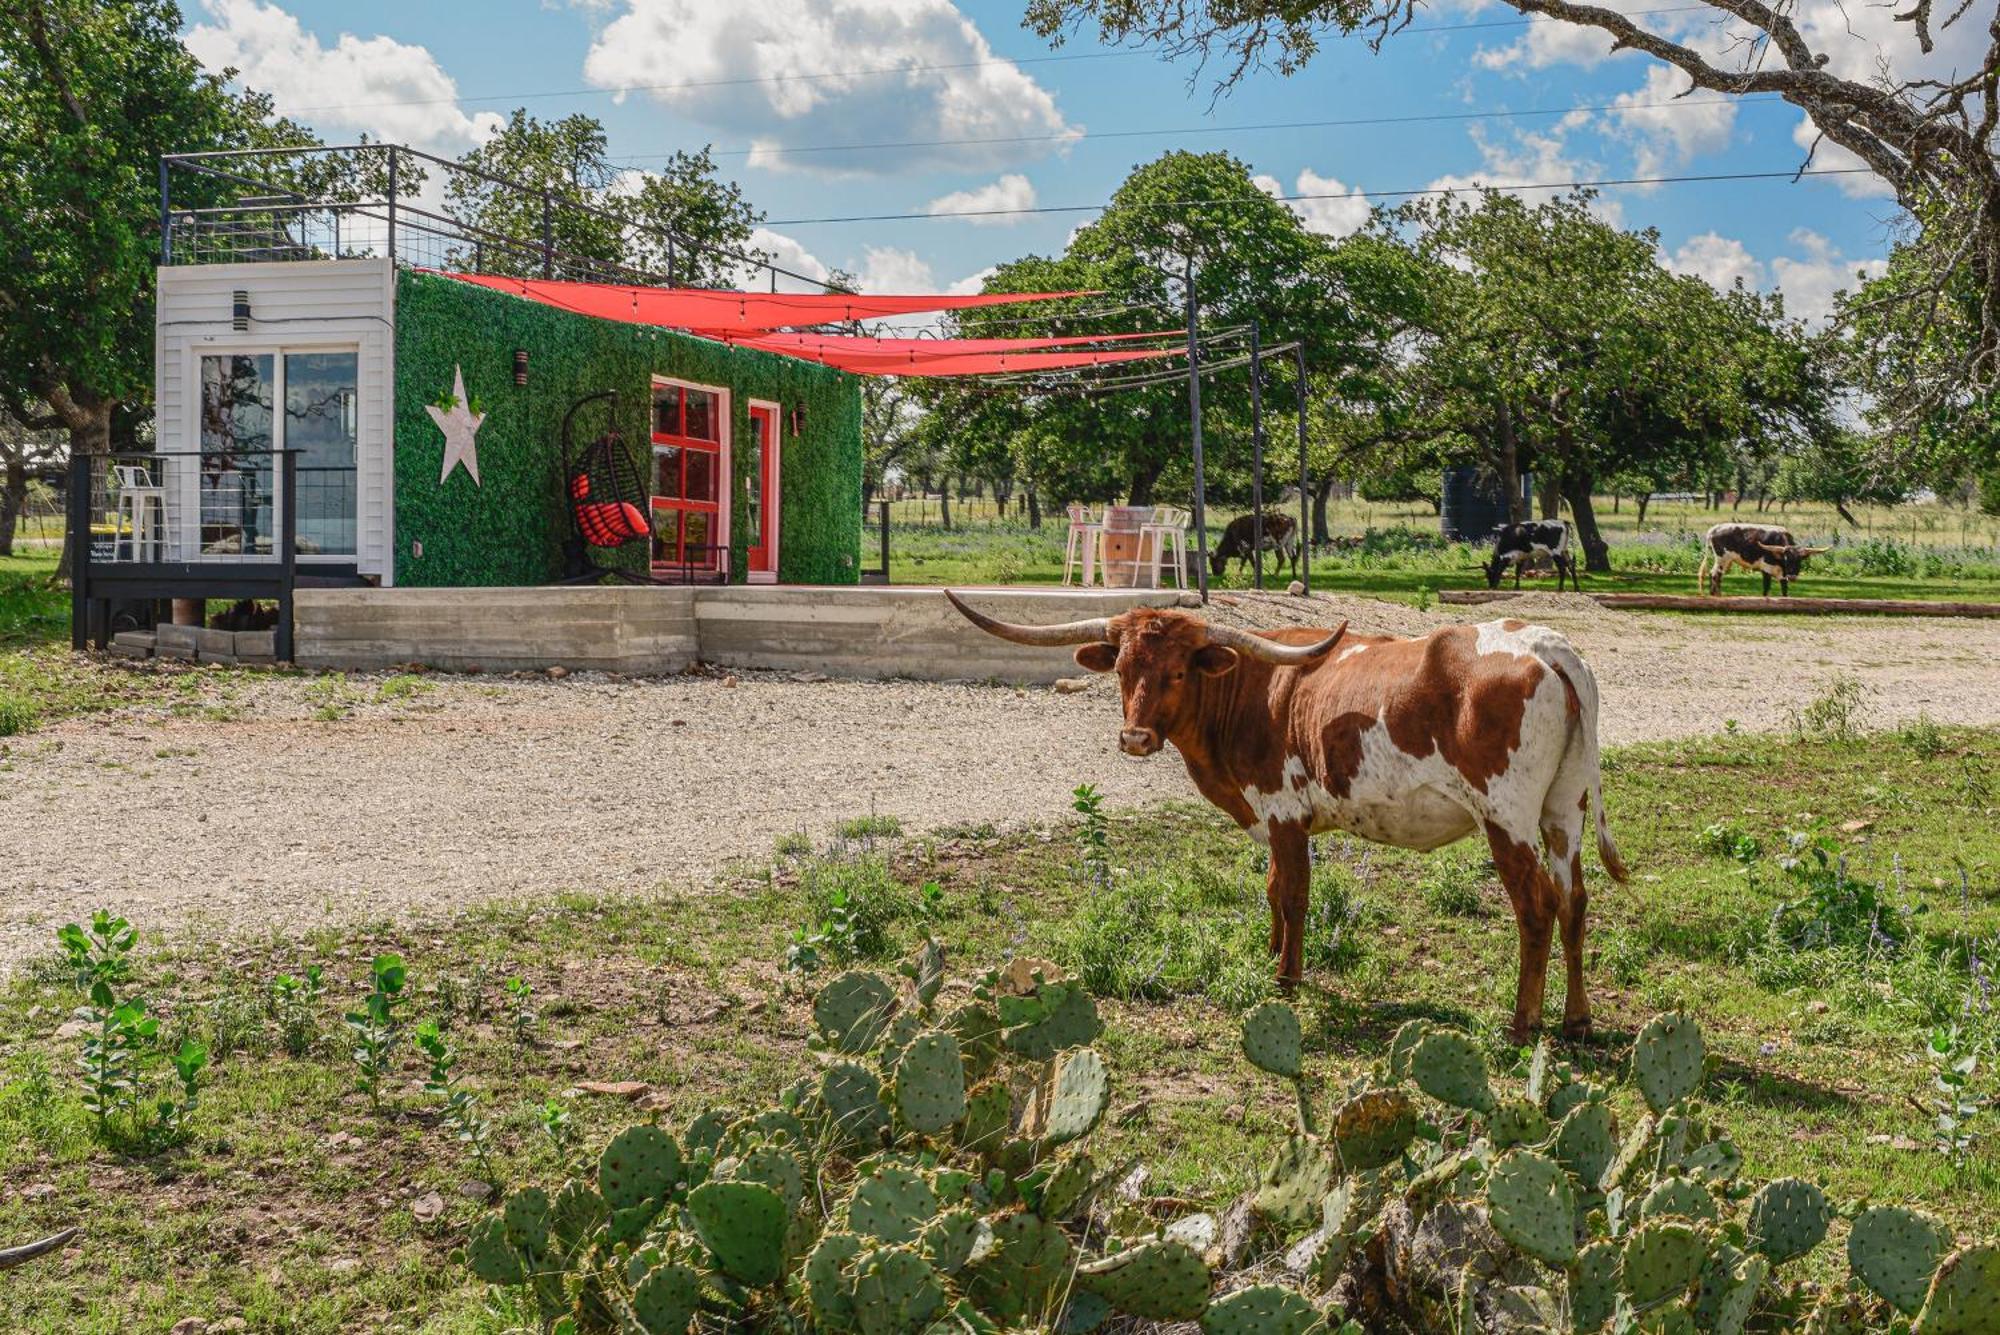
(1701, 573)
(1577, 674)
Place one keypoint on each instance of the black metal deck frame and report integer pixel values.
(97, 586)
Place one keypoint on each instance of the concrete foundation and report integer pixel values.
(868, 633)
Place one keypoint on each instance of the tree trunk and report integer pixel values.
(89, 433)
(1321, 495)
(1034, 508)
(13, 499)
(944, 503)
(1596, 551)
(1614, 502)
(1510, 466)
(1143, 482)
(1644, 498)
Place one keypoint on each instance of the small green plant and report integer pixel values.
(867, 829)
(1727, 839)
(1093, 836)
(295, 1004)
(115, 1040)
(100, 953)
(1834, 715)
(795, 844)
(560, 1127)
(851, 904)
(1450, 884)
(18, 714)
(189, 1060)
(402, 686)
(461, 1112)
(520, 1013)
(1923, 736)
(1957, 1110)
(374, 1027)
(1426, 597)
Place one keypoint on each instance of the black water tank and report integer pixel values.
(1474, 503)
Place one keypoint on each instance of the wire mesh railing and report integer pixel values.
(196, 507)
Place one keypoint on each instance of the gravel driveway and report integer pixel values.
(482, 788)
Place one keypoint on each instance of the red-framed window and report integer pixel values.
(688, 484)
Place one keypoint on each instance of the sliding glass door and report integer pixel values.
(239, 428)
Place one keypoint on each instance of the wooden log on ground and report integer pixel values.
(1672, 602)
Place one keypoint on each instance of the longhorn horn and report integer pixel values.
(1270, 651)
(1067, 632)
(1813, 551)
(13, 1256)
(1778, 549)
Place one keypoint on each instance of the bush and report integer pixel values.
(18, 714)
(851, 905)
(1171, 933)
(1923, 736)
(1835, 716)
(1450, 884)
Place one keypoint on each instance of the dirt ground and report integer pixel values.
(479, 788)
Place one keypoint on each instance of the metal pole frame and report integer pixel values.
(166, 217)
(1256, 456)
(1305, 515)
(1194, 425)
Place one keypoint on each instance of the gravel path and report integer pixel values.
(483, 788)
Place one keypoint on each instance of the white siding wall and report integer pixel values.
(319, 305)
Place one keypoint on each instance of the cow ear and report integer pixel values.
(1214, 660)
(1098, 657)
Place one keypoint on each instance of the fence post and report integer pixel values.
(885, 541)
(392, 208)
(1305, 514)
(1256, 455)
(78, 542)
(548, 235)
(166, 217)
(288, 555)
(1194, 425)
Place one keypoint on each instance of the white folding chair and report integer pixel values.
(1168, 528)
(140, 502)
(1086, 539)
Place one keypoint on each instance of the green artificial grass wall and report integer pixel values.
(510, 527)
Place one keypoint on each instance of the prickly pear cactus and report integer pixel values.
(930, 1083)
(1587, 1142)
(1447, 1066)
(1024, 1272)
(1729, 1287)
(1516, 1122)
(952, 1239)
(828, 1292)
(1404, 1044)
(1372, 1129)
(1295, 1183)
(490, 1256)
(665, 1300)
(1667, 1060)
(1161, 1280)
(976, 1026)
(893, 1290)
(989, 1112)
(852, 1096)
(1662, 1260)
(1681, 1197)
(1895, 1252)
(891, 1203)
(1076, 1097)
(853, 1011)
(1529, 1199)
(1788, 1218)
(1964, 1298)
(642, 1163)
(1271, 1040)
(743, 1226)
(1593, 1285)
(1067, 1184)
(1263, 1309)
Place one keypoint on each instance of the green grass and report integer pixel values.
(291, 1205)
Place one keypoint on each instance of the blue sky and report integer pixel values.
(773, 83)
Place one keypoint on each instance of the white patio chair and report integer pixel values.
(1086, 541)
(140, 502)
(1168, 528)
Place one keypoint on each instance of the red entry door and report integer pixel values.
(762, 486)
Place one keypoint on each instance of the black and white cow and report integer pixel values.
(1516, 544)
(1765, 548)
(1281, 537)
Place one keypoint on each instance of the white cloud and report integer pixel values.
(1545, 44)
(1533, 158)
(889, 269)
(994, 204)
(1829, 156)
(791, 72)
(787, 253)
(971, 284)
(384, 87)
(1337, 210)
(1808, 277)
(1666, 130)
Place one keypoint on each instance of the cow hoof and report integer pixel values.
(1577, 1031)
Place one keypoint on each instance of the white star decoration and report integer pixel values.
(459, 425)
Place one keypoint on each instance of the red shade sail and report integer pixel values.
(717, 313)
(801, 345)
(947, 362)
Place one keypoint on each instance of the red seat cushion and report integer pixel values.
(579, 486)
(609, 523)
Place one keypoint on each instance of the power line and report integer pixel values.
(813, 76)
(1078, 136)
(1357, 192)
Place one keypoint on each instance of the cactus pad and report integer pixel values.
(976, 1026)
(1667, 1060)
(1054, 1016)
(777, 1168)
(1729, 1288)
(1067, 1184)
(1717, 1161)
(629, 1225)
(1447, 1066)
(891, 1204)
(1076, 1097)
(930, 1083)
(1025, 1272)
(1403, 1044)
(952, 1239)
(1083, 1313)
(1788, 1218)
(743, 1226)
(665, 1301)
(893, 1290)
(827, 1289)
(490, 1256)
(575, 1211)
(852, 1012)
(1964, 1296)
(926, 972)
(1372, 1128)
(1662, 1260)
(526, 1216)
(1895, 1253)
(1593, 1285)
(852, 1096)
(1586, 1142)
(989, 1113)
(1161, 1280)
(1517, 1122)
(1263, 1309)
(1271, 1040)
(1567, 1095)
(1533, 1206)
(1680, 1197)
(641, 1164)
(1295, 1183)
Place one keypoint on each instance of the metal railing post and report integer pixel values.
(392, 208)
(548, 235)
(1194, 425)
(1256, 456)
(166, 216)
(885, 542)
(288, 554)
(79, 549)
(1305, 518)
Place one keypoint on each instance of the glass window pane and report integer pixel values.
(321, 422)
(237, 500)
(700, 475)
(667, 471)
(667, 410)
(695, 527)
(701, 415)
(753, 484)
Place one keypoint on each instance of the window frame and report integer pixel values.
(718, 450)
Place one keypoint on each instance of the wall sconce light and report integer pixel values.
(239, 310)
(520, 366)
(799, 418)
